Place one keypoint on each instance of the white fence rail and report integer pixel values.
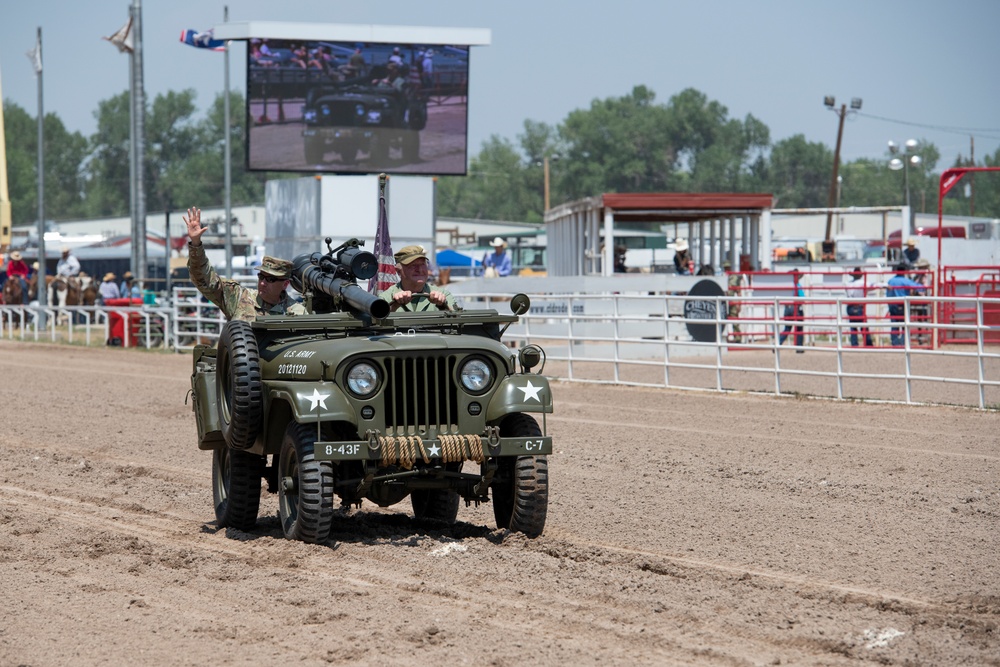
(646, 341)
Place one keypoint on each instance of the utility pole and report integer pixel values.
(972, 177)
(829, 250)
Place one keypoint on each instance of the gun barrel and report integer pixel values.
(305, 266)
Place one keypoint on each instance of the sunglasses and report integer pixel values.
(268, 279)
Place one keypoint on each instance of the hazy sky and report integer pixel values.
(923, 69)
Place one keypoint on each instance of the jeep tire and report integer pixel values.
(305, 487)
(239, 390)
(236, 478)
(521, 487)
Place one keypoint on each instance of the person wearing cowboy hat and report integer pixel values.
(911, 253)
(235, 301)
(18, 268)
(68, 265)
(683, 263)
(498, 262)
(412, 292)
(108, 288)
(128, 288)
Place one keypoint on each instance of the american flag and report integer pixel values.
(387, 276)
(203, 40)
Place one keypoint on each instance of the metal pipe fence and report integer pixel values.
(661, 341)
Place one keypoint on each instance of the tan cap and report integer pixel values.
(911, 241)
(15, 256)
(409, 254)
(109, 276)
(680, 245)
(279, 268)
(127, 275)
(65, 248)
(498, 242)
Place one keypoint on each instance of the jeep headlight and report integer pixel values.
(476, 375)
(309, 115)
(374, 117)
(362, 379)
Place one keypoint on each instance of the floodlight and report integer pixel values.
(829, 101)
(893, 148)
(911, 144)
(895, 164)
(856, 103)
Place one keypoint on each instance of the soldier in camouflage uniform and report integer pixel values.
(412, 264)
(235, 301)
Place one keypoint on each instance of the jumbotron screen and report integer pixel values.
(356, 107)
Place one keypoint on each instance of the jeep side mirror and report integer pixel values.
(520, 304)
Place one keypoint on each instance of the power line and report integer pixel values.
(984, 132)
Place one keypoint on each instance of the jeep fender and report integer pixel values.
(520, 393)
(310, 401)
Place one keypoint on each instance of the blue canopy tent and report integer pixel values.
(457, 264)
(449, 258)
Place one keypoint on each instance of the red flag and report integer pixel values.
(387, 276)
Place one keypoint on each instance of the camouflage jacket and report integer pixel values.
(418, 305)
(236, 301)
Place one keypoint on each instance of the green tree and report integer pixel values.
(107, 185)
(64, 153)
(496, 187)
(799, 173)
(618, 145)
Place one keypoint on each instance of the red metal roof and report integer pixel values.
(624, 201)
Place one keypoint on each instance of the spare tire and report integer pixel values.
(239, 392)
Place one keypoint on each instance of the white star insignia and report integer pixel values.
(531, 391)
(434, 451)
(317, 399)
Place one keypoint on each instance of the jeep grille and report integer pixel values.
(420, 395)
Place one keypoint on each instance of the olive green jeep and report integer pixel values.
(354, 402)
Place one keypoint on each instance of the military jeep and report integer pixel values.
(353, 402)
(355, 117)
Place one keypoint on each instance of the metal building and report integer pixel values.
(717, 226)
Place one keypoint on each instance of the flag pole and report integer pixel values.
(41, 289)
(132, 170)
(227, 162)
(139, 102)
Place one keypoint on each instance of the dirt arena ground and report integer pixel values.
(684, 529)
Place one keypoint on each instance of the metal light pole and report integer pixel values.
(907, 156)
(842, 113)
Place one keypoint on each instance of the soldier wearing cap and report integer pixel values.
(236, 301)
(414, 269)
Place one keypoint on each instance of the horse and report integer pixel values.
(14, 295)
(13, 292)
(70, 291)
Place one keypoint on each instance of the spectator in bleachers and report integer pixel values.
(900, 286)
(856, 311)
(17, 269)
(498, 263)
(108, 288)
(68, 266)
(129, 289)
(734, 286)
(683, 263)
(911, 253)
(794, 314)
